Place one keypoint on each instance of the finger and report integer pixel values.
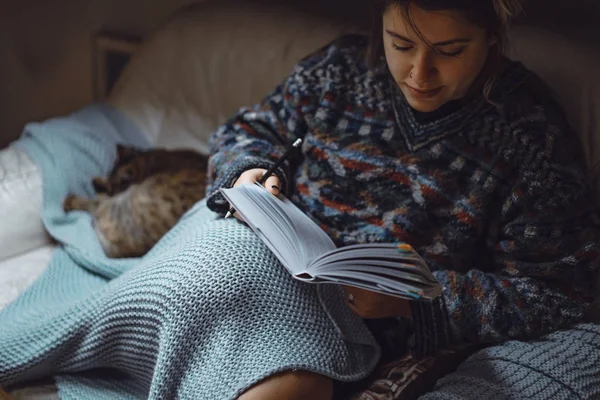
(350, 297)
(368, 294)
(273, 185)
(247, 177)
(250, 176)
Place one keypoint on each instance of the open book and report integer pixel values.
(310, 255)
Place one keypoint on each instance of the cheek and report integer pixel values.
(457, 75)
(399, 67)
(462, 74)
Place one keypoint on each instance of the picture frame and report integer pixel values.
(111, 53)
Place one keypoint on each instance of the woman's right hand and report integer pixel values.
(272, 184)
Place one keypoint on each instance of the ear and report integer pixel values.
(125, 153)
(492, 40)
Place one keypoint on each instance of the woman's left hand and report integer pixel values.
(368, 304)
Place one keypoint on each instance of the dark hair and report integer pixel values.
(492, 15)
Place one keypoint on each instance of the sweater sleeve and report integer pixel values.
(257, 136)
(544, 258)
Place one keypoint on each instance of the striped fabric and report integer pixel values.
(493, 195)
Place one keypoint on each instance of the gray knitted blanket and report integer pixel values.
(564, 365)
(205, 314)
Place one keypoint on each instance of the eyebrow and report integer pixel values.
(444, 43)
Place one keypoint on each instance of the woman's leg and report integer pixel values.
(208, 314)
(291, 385)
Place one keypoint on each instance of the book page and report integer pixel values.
(385, 268)
(391, 268)
(290, 234)
(391, 288)
(383, 254)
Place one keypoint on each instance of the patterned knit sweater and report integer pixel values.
(493, 196)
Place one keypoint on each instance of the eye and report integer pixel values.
(453, 53)
(399, 48)
(125, 174)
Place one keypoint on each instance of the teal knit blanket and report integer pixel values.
(205, 314)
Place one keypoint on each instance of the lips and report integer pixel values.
(423, 94)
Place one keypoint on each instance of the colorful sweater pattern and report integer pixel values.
(492, 195)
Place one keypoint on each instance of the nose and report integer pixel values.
(423, 68)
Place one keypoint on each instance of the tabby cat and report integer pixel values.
(143, 197)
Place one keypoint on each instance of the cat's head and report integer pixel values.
(124, 172)
(125, 154)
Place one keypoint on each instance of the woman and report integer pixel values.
(427, 134)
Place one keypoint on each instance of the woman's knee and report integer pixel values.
(291, 385)
(245, 275)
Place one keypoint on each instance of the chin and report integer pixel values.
(424, 106)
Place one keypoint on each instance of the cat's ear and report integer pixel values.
(125, 153)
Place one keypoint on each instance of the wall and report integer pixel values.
(45, 52)
(45, 47)
(580, 19)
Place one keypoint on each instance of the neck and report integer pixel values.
(445, 109)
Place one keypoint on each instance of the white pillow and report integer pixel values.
(203, 65)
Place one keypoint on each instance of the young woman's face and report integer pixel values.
(430, 77)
